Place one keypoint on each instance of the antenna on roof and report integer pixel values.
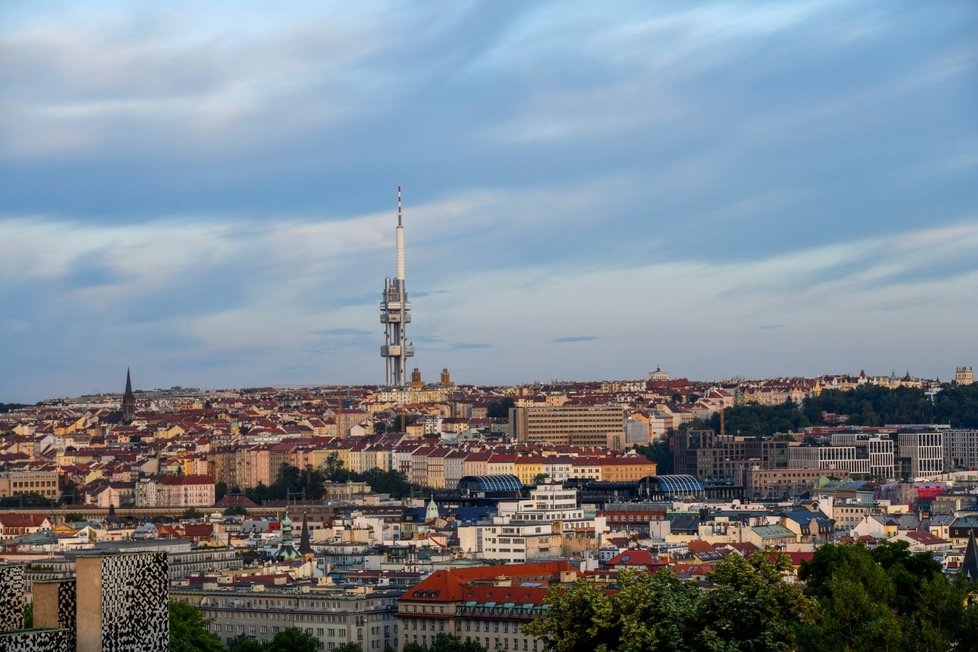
(399, 206)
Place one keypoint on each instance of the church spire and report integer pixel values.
(305, 546)
(969, 567)
(128, 400)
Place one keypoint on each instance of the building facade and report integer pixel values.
(573, 425)
(18, 483)
(487, 604)
(334, 616)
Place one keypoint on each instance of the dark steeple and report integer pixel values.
(969, 567)
(305, 547)
(128, 400)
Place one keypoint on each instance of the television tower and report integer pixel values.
(395, 313)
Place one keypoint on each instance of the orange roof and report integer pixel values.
(450, 585)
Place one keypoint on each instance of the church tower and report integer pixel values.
(128, 401)
(286, 551)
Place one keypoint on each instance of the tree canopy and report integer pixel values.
(500, 409)
(445, 643)
(750, 607)
(866, 405)
(188, 630)
(885, 598)
(288, 640)
(853, 599)
(308, 483)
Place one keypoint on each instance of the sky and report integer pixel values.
(206, 192)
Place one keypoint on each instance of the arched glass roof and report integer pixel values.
(678, 484)
(490, 483)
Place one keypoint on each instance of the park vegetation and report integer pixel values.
(293, 483)
(851, 599)
(867, 405)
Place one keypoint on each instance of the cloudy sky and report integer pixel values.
(205, 191)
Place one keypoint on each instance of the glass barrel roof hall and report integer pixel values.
(491, 483)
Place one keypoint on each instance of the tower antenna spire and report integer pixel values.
(395, 312)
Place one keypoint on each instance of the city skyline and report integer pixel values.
(205, 194)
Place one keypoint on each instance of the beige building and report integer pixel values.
(575, 425)
(43, 483)
(964, 376)
(333, 616)
(175, 491)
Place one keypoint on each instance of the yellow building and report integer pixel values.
(626, 469)
(528, 467)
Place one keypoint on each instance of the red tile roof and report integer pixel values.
(450, 585)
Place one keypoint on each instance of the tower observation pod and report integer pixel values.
(395, 314)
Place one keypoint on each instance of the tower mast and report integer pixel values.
(395, 313)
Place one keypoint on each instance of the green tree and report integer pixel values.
(292, 640)
(580, 618)
(957, 405)
(660, 453)
(936, 623)
(26, 500)
(751, 607)
(188, 630)
(444, 643)
(220, 490)
(500, 409)
(348, 647)
(29, 615)
(656, 612)
(243, 643)
(391, 482)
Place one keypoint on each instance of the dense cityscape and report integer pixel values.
(381, 517)
(666, 344)
(826, 513)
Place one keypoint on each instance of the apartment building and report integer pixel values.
(961, 448)
(363, 615)
(16, 483)
(879, 450)
(574, 425)
(921, 453)
(175, 491)
(779, 484)
(828, 458)
(724, 459)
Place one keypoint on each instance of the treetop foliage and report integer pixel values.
(445, 643)
(293, 482)
(867, 405)
(750, 607)
(853, 599)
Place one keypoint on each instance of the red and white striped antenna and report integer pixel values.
(399, 206)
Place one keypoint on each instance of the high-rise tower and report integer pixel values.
(395, 313)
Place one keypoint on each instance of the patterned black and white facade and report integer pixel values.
(135, 617)
(11, 597)
(34, 640)
(55, 607)
(123, 603)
